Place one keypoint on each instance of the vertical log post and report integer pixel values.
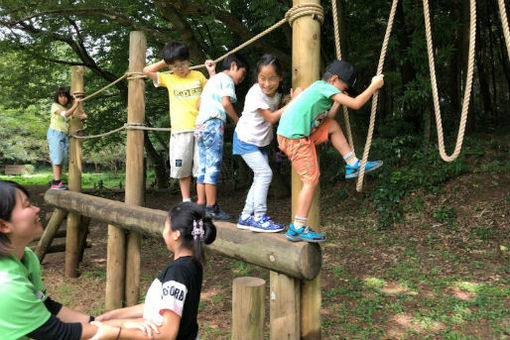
(135, 189)
(49, 233)
(305, 70)
(284, 311)
(73, 245)
(248, 308)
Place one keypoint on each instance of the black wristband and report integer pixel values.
(91, 318)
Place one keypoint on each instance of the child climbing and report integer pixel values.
(184, 88)
(171, 303)
(252, 137)
(58, 141)
(308, 121)
(216, 103)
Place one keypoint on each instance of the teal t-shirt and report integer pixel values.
(299, 117)
(22, 293)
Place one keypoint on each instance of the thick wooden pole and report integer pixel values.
(284, 311)
(134, 161)
(50, 232)
(248, 308)
(73, 246)
(305, 70)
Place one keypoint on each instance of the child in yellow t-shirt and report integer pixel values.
(184, 90)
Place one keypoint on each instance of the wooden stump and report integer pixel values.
(248, 308)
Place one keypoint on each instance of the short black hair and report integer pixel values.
(175, 51)
(236, 58)
(7, 203)
(62, 91)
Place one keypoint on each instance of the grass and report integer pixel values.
(89, 180)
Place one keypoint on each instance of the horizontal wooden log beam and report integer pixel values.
(300, 260)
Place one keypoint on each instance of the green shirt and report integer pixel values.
(22, 309)
(299, 117)
(57, 122)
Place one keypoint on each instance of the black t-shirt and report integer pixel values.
(177, 288)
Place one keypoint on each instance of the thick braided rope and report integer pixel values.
(127, 126)
(339, 57)
(467, 90)
(504, 24)
(359, 184)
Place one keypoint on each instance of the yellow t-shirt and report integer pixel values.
(57, 122)
(183, 94)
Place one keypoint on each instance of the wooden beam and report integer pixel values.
(300, 260)
(248, 308)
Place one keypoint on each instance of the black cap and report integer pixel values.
(345, 72)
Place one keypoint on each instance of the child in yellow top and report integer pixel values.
(184, 90)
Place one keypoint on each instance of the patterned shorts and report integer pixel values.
(209, 138)
(302, 152)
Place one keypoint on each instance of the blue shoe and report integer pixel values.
(245, 223)
(353, 171)
(266, 225)
(304, 234)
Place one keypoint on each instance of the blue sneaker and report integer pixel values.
(353, 171)
(58, 186)
(245, 223)
(304, 234)
(266, 225)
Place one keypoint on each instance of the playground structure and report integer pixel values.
(294, 267)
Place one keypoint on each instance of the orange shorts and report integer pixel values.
(302, 152)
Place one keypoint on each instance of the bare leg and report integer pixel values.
(337, 138)
(305, 199)
(184, 184)
(210, 194)
(200, 193)
(57, 171)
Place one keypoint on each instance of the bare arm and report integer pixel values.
(229, 108)
(68, 111)
(274, 116)
(333, 110)
(131, 312)
(151, 71)
(357, 102)
(211, 67)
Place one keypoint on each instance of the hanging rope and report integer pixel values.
(359, 184)
(127, 126)
(467, 90)
(315, 10)
(504, 25)
(339, 57)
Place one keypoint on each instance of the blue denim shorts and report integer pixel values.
(209, 138)
(58, 143)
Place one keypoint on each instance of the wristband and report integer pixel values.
(63, 114)
(91, 318)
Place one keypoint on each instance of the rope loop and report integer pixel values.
(135, 75)
(296, 12)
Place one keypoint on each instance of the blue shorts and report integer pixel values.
(209, 138)
(58, 143)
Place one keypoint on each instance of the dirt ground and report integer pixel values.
(355, 251)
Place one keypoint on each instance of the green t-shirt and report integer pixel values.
(22, 309)
(299, 117)
(57, 122)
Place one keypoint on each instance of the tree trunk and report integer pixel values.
(457, 61)
(481, 55)
(158, 162)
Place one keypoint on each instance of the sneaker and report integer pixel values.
(217, 214)
(266, 225)
(353, 171)
(58, 186)
(304, 234)
(245, 223)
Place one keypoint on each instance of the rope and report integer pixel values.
(339, 57)
(127, 126)
(359, 184)
(504, 24)
(467, 90)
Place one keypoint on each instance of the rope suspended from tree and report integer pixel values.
(504, 25)
(467, 90)
(375, 97)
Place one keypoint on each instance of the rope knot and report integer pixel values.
(296, 12)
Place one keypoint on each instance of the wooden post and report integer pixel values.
(305, 70)
(284, 308)
(248, 308)
(73, 245)
(50, 233)
(134, 161)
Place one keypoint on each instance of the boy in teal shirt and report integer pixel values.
(307, 121)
